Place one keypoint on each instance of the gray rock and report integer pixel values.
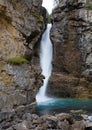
(71, 35)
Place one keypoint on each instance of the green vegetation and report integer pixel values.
(48, 17)
(88, 6)
(40, 18)
(17, 60)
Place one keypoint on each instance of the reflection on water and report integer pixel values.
(54, 106)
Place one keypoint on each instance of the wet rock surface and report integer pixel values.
(71, 35)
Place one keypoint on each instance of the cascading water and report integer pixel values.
(45, 63)
(45, 104)
(45, 56)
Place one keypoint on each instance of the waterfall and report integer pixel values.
(45, 55)
(45, 63)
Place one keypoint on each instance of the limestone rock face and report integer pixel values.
(71, 35)
(21, 26)
(18, 86)
(22, 23)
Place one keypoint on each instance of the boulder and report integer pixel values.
(57, 122)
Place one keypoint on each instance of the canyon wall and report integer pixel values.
(22, 23)
(21, 26)
(71, 36)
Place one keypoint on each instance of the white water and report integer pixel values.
(45, 63)
(46, 55)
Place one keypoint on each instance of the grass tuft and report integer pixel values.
(17, 60)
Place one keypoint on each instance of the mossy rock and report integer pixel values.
(17, 60)
(40, 18)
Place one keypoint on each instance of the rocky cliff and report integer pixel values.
(71, 36)
(22, 23)
(21, 26)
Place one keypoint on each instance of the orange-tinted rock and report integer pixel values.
(21, 26)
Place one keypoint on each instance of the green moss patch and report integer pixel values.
(17, 60)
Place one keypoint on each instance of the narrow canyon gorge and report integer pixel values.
(22, 26)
